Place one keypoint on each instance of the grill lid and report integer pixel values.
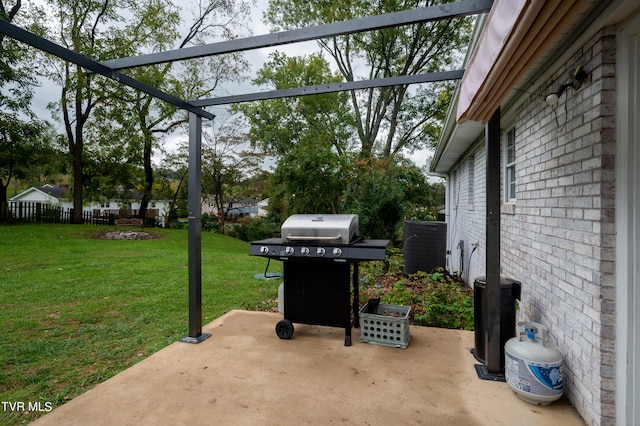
(329, 228)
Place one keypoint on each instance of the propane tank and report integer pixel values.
(281, 298)
(533, 366)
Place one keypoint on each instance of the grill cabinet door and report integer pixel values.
(317, 293)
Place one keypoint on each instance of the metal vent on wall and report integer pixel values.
(425, 246)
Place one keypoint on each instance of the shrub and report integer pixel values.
(209, 222)
(402, 295)
(436, 299)
(255, 229)
(446, 303)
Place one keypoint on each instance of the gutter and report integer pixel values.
(450, 121)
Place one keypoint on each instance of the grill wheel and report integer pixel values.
(284, 329)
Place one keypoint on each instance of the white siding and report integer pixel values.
(466, 216)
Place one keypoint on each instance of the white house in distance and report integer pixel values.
(238, 209)
(58, 195)
(46, 194)
(569, 183)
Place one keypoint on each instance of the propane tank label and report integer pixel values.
(544, 379)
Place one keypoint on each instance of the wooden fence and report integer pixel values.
(24, 212)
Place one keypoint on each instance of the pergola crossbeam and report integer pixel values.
(353, 26)
(331, 88)
(63, 53)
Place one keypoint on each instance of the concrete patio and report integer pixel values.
(245, 374)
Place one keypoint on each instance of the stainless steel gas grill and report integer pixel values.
(320, 255)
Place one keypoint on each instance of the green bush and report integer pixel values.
(255, 229)
(400, 294)
(179, 224)
(446, 304)
(209, 222)
(436, 299)
(374, 192)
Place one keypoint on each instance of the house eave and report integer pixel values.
(456, 138)
(458, 135)
(449, 151)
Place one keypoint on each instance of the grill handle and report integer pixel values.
(310, 238)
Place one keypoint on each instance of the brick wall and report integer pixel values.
(561, 235)
(558, 237)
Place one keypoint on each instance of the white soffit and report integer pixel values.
(462, 136)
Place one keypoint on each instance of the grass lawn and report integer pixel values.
(76, 310)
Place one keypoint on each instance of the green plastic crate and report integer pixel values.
(389, 326)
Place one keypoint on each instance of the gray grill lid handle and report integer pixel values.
(311, 238)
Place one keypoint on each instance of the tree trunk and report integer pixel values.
(174, 201)
(78, 176)
(3, 191)
(148, 177)
(221, 220)
(4, 205)
(222, 215)
(75, 138)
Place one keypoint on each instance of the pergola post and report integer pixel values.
(195, 241)
(491, 303)
(493, 294)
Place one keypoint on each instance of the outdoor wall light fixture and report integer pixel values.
(575, 80)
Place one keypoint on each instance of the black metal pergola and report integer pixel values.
(111, 69)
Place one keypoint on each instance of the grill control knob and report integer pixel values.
(320, 251)
(337, 251)
(264, 250)
(289, 250)
(304, 251)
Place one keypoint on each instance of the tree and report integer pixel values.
(279, 125)
(388, 120)
(92, 29)
(309, 136)
(309, 179)
(99, 30)
(375, 192)
(124, 121)
(21, 134)
(423, 199)
(227, 159)
(144, 119)
(355, 164)
(172, 182)
(21, 146)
